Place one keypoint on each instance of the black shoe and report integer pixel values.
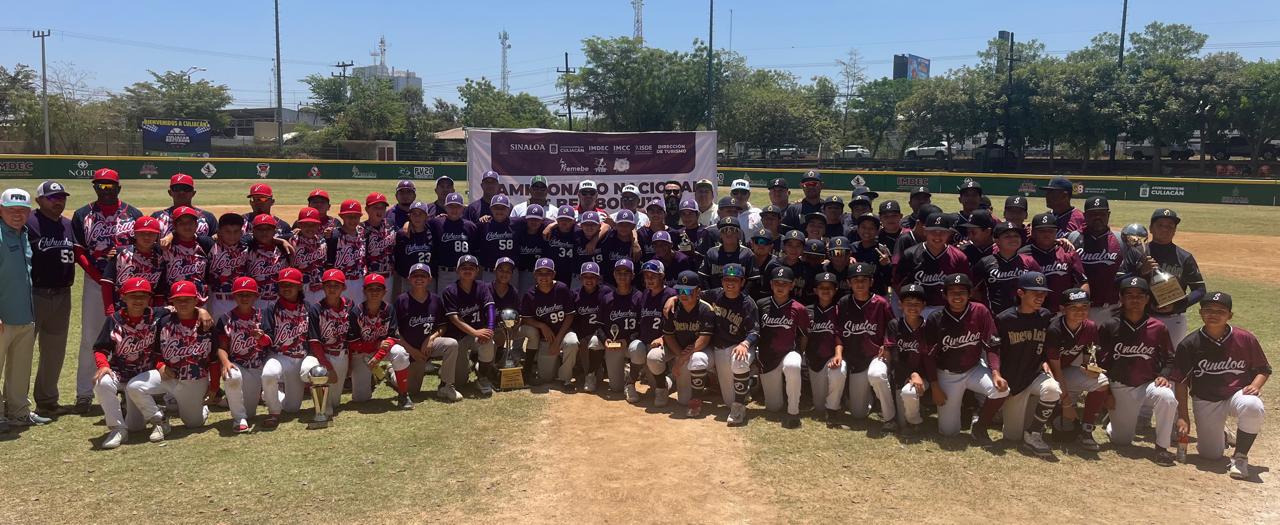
(4, 426)
(980, 435)
(403, 402)
(833, 418)
(1163, 457)
(791, 422)
(51, 409)
(569, 387)
(82, 406)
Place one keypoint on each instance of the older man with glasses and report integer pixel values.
(17, 319)
(261, 199)
(811, 184)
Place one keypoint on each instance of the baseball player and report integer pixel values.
(929, 262)
(1070, 335)
(310, 252)
(732, 341)
(261, 199)
(413, 244)
(838, 262)
(451, 237)
(420, 315)
(285, 323)
(1163, 254)
(346, 249)
(469, 312)
(1015, 211)
(793, 248)
(380, 236)
(890, 223)
(811, 186)
(444, 186)
(182, 364)
(1225, 368)
(406, 194)
(585, 240)
(141, 259)
(241, 349)
(784, 329)
(620, 314)
(673, 262)
(916, 234)
(970, 200)
(226, 262)
(1020, 359)
(1060, 266)
(1136, 353)
(124, 351)
(619, 243)
(372, 338)
(547, 318)
(864, 320)
(266, 256)
(530, 245)
(997, 274)
(824, 350)
(1101, 253)
(328, 324)
(319, 199)
(904, 339)
(182, 189)
(869, 250)
(499, 235)
(654, 209)
(1057, 197)
(186, 256)
(588, 304)
(730, 251)
(686, 332)
(815, 226)
(561, 245)
(480, 208)
(652, 299)
(980, 239)
(762, 261)
(958, 337)
(693, 238)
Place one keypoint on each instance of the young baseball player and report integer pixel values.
(784, 328)
(652, 300)
(319, 199)
(1136, 353)
(186, 258)
(686, 332)
(996, 275)
(672, 261)
(1060, 267)
(619, 243)
(763, 261)
(868, 249)
(505, 296)
(347, 249)
(587, 322)
(958, 336)
(1070, 336)
(530, 245)
(560, 247)
(498, 234)
(907, 347)
(372, 338)
(1021, 360)
(1225, 368)
(182, 368)
(267, 255)
(864, 319)
(328, 324)
(420, 315)
(124, 351)
(468, 309)
(1163, 254)
(655, 209)
(380, 236)
(825, 350)
(285, 323)
(226, 262)
(141, 259)
(694, 238)
(452, 236)
(732, 341)
(242, 348)
(929, 262)
(730, 251)
(838, 262)
(547, 318)
(413, 244)
(621, 317)
(182, 189)
(261, 200)
(586, 240)
(310, 252)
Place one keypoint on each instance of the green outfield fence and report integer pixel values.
(1162, 189)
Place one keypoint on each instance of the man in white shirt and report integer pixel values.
(748, 215)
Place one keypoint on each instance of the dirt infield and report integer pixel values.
(1233, 255)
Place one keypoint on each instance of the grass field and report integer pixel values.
(542, 458)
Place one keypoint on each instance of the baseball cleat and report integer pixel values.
(660, 397)
(30, 420)
(448, 394)
(271, 422)
(1239, 467)
(113, 440)
(568, 387)
(589, 385)
(1035, 441)
(980, 435)
(833, 418)
(630, 391)
(403, 402)
(737, 415)
(791, 422)
(485, 386)
(1086, 438)
(889, 427)
(242, 426)
(82, 406)
(159, 429)
(1163, 457)
(694, 409)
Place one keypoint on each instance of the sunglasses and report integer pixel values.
(810, 184)
(671, 192)
(106, 186)
(762, 241)
(685, 290)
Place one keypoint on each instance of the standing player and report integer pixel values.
(621, 316)
(907, 347)
(182, 364)
(980, 239)
(226, 262)
(328, 325)
(468, 309)
(498, 234)
(729, 251)
(1102, 253)
(479, 208)
(319, 199)
(762, 260)
(733, 341)
(451, 237)
(530, 245)
(346, 248)
(589, 304)
(824, 350)
(693, 238)
(261, 199)
(1136, 353)
(997, 274)
(784, 330)
(1070, 336)
(890, 223)
(869, 250)
(285, 323)
(406, 195)
(310, 250)
(863, 322)
(929, 262)
(561, 246)
(372, 338)
(546, 317)
(187, 256)
(1015, 211)
(652, 300)
(413, 243)
(958, 336)
(123, 352)
(141, 259)
(266, 257)
(673, 261)
(686, 333)
(54, 256)
(1020, 360)
(585, 240)
(1164, 255)
(242, 348)
(380, 236)
(1057, 197)
(1061, 268)
(420, 316)
(182, 189)
(619, 243)
(1225, 368)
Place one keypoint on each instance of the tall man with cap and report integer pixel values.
(630, 201)
(17, 313)
(182, 189)
(1102, 253)
(101, 227)
(406, 193)
(537, 195)
(1057, 197)
(811, 183)
(748, 214)
(704, 193)
(54, 256)
(589, 199)
(443, 187)
(970, 199)
(480, 207)
(261, 199)
(1164, 255)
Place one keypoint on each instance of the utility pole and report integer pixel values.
(1008, 133)
(711, 29)
(506, 44)
(279, 96)
(638, 30)
(567, 103)
(1115, 135)
(730, 30)
(344, 66)
(44, 86)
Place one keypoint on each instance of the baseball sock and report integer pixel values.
(1093, 403)
(989, 409)
(486, 370)
(660, 380)
(402, 381)
(740, 387)
(1044, 411)
(699, 380)
(1244, 441)
(215, 379)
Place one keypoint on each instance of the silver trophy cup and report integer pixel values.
(320, 395)
(509, 318)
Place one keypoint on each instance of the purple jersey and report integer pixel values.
(958, 342)
(562, 248)
(499, 241)
(309, 255)
(588, 310)
(907, 349)
(529, 246)
(735, 318)
(622, 315)
(1134, 354)
(380, 248)
(184, 349)
(823, 335)
(580, 242)
(366, 330)
(686, 326)
(1069, 346)
(412, 248)
(471, 307)
(613, 248)
(346, 251)
(226, 262)
(782, 327)
(1021, 354)
(286, 324)
(511, 299)
(996, 279)
(235, 335)
(418, 319)
(100, 232)
(206, 223)
(128, 345)
(264, 265)
(1218, 368)
(549, 307)
(451, 240)
(1101, 256)
(651, 312)
(328, 326)
(919, 265)
(861, 327)
(672, 266)
(1062, 270)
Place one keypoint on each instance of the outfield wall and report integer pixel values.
(1161, 189)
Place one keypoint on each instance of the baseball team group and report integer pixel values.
(1007, 320)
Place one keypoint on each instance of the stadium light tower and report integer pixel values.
(505, 40)
(638, 5)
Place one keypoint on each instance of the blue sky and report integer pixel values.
(446, 42)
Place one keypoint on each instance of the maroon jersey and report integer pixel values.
(1062, 270)
(919, 265)
(1134, 354)
(907, 350)
(782, 326)
(184, 349)
(264, 265)
(1069, 346)
(957, 342)
(862, 329)
(225, 264)
(1070, 221)
(286, 324)
(346, 252)
(821, 345)
(309, 254)
(1021, 354)
(328, 326)
(236, 336)
(127, 345)
(366, 330)
(996, 279)
(1102, 256)
(188, 261)
(1218, 368)
(380, 248)
(101, 230)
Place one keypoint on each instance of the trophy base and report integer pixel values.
(613, 345)
(316, 425)
(511, 378)
(1095, 370)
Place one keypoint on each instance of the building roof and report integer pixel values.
(458, 133)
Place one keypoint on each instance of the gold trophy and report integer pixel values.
(1165, 287)
(510, 375)
(612, 343)
(320, 396)
(1092, 366)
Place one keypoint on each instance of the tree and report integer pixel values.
(1161, 93)
(945, 107)
(483, 105)
(374, 112)
(15, 86)
(1257, 117)
(1165, 42)
(876, 109)
(329, 95)
(173, 94)
(852, 75)
(631, 87)
(81, 118)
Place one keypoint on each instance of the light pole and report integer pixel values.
(191, 70)
(44, 86)
(279, 96)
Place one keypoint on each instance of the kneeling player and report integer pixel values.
(285, 322)
(652, 300)
(468, 310)
(1225, 368)
(242, 348)
(959, 335)
(824, 351)
(1070, 336)
(328, 324)
(864, 317)
(733, 341)
(372, 338)
(420, 316)
(906, 344)
(546, 318)
(1020, 359)
(1136, 353)
(124, 352)
(784, 328)
(182, 368)
(686, 336)
(621, 312)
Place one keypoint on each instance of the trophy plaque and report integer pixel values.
(612, 343)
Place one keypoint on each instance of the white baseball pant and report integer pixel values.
(638, 354)
(189, 394)
(1211, 421)
(726, 368)
(1177, 325)
(827, 385)
(567, 353)
(908, 402)
(243, 387)
(1129, 402)
(874, 379)
(785, 374)
(1101, 314)
(339, 366)
(1077, 381)
(282, 369)
(977, 380)
(1043, 388)
(661, 363)
(615, 363)
(92, 319)
(362, 376)
(107, 391)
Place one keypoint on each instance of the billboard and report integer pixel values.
(910, 66)
(176, 137)
(611, 160)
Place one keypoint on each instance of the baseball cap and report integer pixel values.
(135, 285)
(544, 263)
(837, 243)
(815, 247)
(534, 211)
(824, 277)
(860, 189)
(424, 268)
(405, 184)
(688, 205)
(912, 290)
(263, 219)
(420, 206)
(15, 197)
(230, 219)
(260, 190)
(489, 175)
(625, 263)
(782, 273)
(453, 199)
(374, 198)
(733, 270)
(289, 275)
(653, 266)
(1033, 281)
(1165, 213)
(335, 275)
(181, 179)
(183, 211)
(771, 209)
(957, 279)
(590, 217)
(371, 279)
(662, 236)
(980, 219)
(793, 235)
(350, 207)
(763, 233)
(588, 184)
(1222, 298)
(939, 222)
(565, 212)
(969, 184)
(1134, 282)
(890, 206)
(1075, 296)
(468, 260)
(1004, 227)
(739, 185)
(839, 202)
(538, 180)
(143, 224)
(444, 178)
(1016, 202)
(500, 200)
(184, 289)
(589, 267)
(727, 202)
(105, 174)
(1058, 183)
(704, 182)
(244, 285)
(50, 188)
(1044, 221)
(811, 175)
(504, 260)
(625, 217)
(862, 269)
(778, 183)
(321, 194)
(728, 223)
(656, 203)
(816, 215)
(920, 190)
(868, 217)
(1096, 203)
(688, 278)
(925, 211)
(630, 189)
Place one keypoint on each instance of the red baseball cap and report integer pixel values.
(263, 219)
(135, 284)
(106, 174)
(244, 285)
(187, 289)
(375, 198)
(184, 211)
(182, 179)
(146, 224)
(349, 207)
(262, 190)
(318, 193)
(374, 278)
(309, 215)
(334, 275)
(289, 275)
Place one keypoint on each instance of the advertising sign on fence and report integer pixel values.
(176, 137)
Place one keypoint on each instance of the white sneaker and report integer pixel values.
(660, 397)
(485, 386)
(448, 393)
(113, 440)
(158, 430)
(737, 415)
(1035, 440)
(590, 384)
(1239, 468)
(630, 391)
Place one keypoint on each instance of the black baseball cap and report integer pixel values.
(925, 211)
(771, 209)
(1075, 296)
(860, 199)
(957, 279)
(838, 242)
(1096, 203)
(689, 278)
(815, 247)
(1058, 183)
(939, 222)
(727, 202)
(969, 184)
(1033, 281)
(824, 277)
(762, 233)
(1222, 298)
(811, 175)
(890, 206)
(1134, 282)
(868, 217)
(1005, 227)
(1165, 213)
(793, 235)
(912, 290)
(728, 222)
(778, 183)
(782, 273)
(835, 201)
(816, 215)
(859, 189)
(921, 190)
(733, 270)
(1016, 202)
(1044, 220)
(980, 219)
(862, 269)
